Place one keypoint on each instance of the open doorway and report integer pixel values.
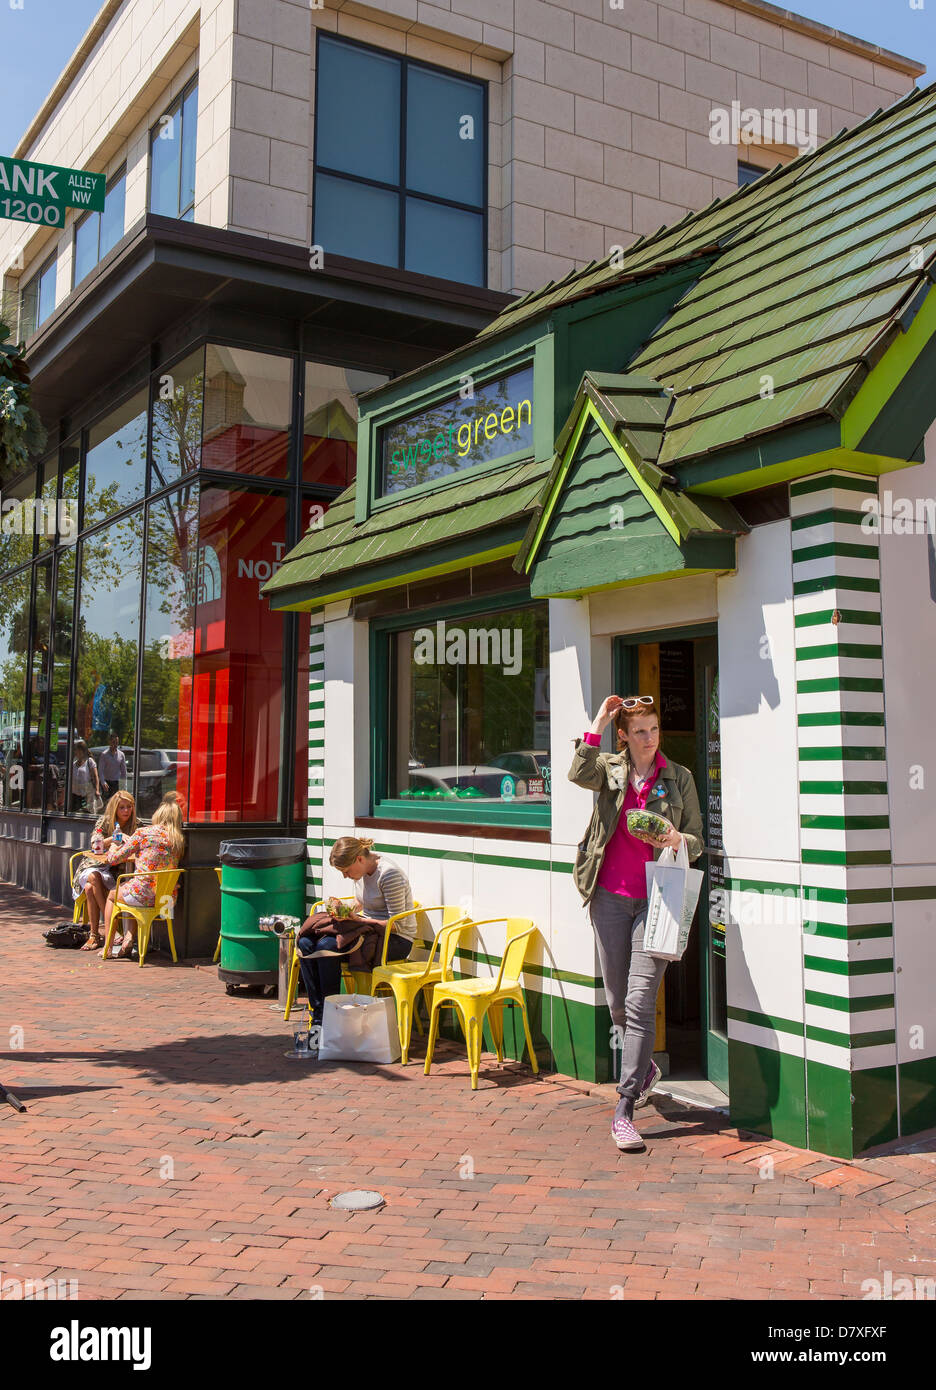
(679, 668)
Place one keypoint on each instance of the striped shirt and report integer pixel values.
(386, 892)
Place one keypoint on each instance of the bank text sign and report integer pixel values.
(41, 193)
(487, 422)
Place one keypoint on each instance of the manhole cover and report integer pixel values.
(357, 1201)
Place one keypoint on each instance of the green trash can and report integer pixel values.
(258, 877)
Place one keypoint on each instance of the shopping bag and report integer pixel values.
(672, 894)
(359, 1028)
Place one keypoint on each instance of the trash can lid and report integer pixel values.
(268, 853)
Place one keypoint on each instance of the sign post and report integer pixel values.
(41, 193)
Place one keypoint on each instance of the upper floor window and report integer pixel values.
(400, 161)
(37, 300)
(748, 173)
(97, 232)
(172, 157)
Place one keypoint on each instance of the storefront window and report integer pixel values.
(47, 503)
(115, 466)
(329, 432)
(39, 700)
(108, 634)
(17, 523)
(168, 643)
(469, 713)
(248, 404)
(237, 679)
(14, 638)
(62, 641)
(177, 420)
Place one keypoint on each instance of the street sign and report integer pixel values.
(41, 193)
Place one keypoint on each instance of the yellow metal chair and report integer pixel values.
(474, 998)
(166, 880)
(355, 981)
(217, 955)
(406, 979)
(80, 913)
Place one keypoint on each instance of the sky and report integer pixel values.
(39, 36)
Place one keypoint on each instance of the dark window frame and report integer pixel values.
(36, 279)
(400, 190)
(174, 107)
(114, 179)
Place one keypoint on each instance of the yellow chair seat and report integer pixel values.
(476, 987)
(166, 880)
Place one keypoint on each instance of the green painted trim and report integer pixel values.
(852, 1042)
(797, 453)
(828, 582)
(872, 684)
(845, 822)
(469, 857)
(842, 931)
(846, 615)
(556, 486)
(771, 1021)
(726, 567)
(455, 812)
(862, 651)
(650, 494)
(847, 482)
(883, 966)
(842, 549)
(850, 858)
(846, 753)
(883, 380)
(826, 516)
(843, 788)
(811, 893)
(849, 1004)
(914, 894)
(820, 718)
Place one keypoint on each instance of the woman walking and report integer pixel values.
(84, 779)
(93, 877)
(381, 890)
(159, 845)
(610, 875)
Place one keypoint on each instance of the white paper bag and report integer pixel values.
(672, 894)
(358, 1028)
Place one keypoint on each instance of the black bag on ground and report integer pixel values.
(66, 934)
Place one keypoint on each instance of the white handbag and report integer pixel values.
(672, 894)
(359, 1028)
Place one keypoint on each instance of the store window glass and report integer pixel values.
(115, 466)
(37, 300)
(237, 679)
(248, 404)
(47, 504)
(17, 523)
(14, 648)
(60, 672)
(469, 712)
(110, 582)
(172, 158)
(97, 232)
(329, 432)
(178, 399)
(38, 685)
(172, 578)
(70, 465)
(400, 163)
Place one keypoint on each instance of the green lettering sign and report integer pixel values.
(41, 193)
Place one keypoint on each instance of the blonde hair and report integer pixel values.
(109, 819)
(167, 813)
(347, 849)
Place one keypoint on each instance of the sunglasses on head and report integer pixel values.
(633, 700)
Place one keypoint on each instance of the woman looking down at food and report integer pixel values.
(610, 874)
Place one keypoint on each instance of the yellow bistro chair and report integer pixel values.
(406, 979)
(166, 880)
(474, 998)
(217, 955)
(80, 913)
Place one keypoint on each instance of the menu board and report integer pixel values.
(677, 685)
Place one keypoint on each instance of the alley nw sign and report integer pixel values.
(41, 193)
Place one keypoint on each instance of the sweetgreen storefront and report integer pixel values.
(662, 474)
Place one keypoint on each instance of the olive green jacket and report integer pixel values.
(608, 774)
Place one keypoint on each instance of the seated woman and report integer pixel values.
(93, 877)
(159, 845)
(382, 890)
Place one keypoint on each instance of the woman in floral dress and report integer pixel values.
(159, 845)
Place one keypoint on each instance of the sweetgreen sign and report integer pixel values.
(41, 193)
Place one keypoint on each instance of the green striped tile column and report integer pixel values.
(845, 838)
(316, 811)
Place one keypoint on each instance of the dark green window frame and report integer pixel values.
(381, 630)
(538, 354)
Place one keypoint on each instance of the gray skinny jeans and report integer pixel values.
(631, 980)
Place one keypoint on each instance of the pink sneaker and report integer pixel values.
(624, 1134)
(649, 1081)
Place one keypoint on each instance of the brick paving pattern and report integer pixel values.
(171, 1150)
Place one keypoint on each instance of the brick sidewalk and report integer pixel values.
(170, 1149)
